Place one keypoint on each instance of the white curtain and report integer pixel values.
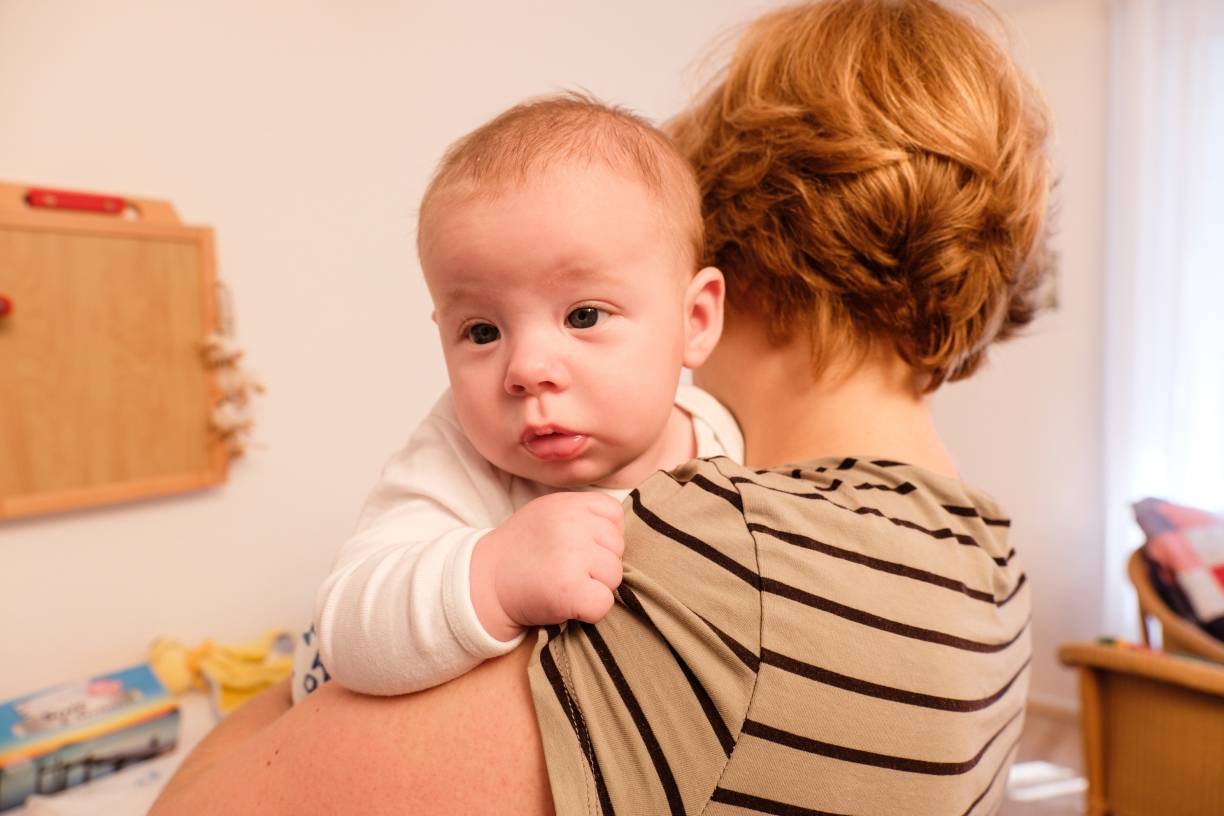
(1164, 344)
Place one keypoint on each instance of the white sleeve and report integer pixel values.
(395, 615)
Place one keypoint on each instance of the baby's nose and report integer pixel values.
(534, 370)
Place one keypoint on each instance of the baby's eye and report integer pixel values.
(481, 333)
(584, 317)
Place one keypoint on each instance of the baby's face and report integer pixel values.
(560, 306)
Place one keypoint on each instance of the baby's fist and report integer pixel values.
(557, 558)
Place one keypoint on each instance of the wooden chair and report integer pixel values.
(1178, 635)
(1153, 727)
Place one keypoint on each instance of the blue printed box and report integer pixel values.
(73, 733)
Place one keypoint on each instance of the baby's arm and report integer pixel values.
(395, 614)
(427, 588)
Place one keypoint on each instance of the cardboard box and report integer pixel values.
(70, 734)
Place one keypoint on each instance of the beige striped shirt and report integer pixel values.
(846, 637)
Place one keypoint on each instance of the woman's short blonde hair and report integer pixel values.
(875, 171)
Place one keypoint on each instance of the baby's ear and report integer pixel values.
(703, 315)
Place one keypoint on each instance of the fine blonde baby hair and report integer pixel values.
(568, 128)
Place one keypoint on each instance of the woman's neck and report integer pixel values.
(789, 414)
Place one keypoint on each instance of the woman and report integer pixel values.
(843, 633)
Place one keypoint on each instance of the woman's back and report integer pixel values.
(849, 636)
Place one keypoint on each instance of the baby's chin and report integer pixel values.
(572, 475)
(571, 481)
(623, 477)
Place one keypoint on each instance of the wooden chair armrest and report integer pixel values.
(1185, 672)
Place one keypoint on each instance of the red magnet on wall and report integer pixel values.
(6, 306)
(69, 200)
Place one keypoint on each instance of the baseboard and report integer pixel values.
(1058, 708)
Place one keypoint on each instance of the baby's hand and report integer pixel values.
(556, 559)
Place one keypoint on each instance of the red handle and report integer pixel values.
(68, 200)
(6, 306)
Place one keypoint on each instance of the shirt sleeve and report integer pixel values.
(640, 712)
(395, 614)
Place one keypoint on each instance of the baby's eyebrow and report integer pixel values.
(458, 293)
(462, 291)
(564, 273)
(581, 274)
(453, 292)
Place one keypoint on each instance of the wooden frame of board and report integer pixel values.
(105, 395)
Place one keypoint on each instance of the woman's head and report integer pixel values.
(873, 173)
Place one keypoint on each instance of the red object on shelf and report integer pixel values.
(6, 306)
(68, 200)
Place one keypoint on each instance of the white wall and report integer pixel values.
(1029, 428)
(304, 134)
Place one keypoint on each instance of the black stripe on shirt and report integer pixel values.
(762, 805)
(1002, 764)
(884, 624)
(745, 655)
(940, 534)
(903, 489)
(972, 512)
(662, 768)
(720, 729)
(881, 565)
(869, 689)
(860, 757)
(794, 474)
(732, 497)
(576, 721)
(1015, 589)
(692, 542)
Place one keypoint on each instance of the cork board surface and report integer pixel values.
(106, 395)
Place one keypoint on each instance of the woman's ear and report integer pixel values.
(703, 315)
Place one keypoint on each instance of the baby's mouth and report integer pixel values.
(554, 444)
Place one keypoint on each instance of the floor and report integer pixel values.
(1052, 737)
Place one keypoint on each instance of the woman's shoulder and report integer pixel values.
(857, 477)
(897, 516)
(868, 503)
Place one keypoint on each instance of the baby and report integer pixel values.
(560, 244)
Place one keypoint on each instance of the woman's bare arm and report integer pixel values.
(255, 715)
(469, 746)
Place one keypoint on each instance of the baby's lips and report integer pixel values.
(555, 446)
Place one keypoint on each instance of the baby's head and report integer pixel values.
(559, 242)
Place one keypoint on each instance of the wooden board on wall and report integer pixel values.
(104, 392)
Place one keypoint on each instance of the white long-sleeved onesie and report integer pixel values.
(396, 615)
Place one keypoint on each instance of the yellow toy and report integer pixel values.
(231, 673)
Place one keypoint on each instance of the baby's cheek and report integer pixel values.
(480, 418)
